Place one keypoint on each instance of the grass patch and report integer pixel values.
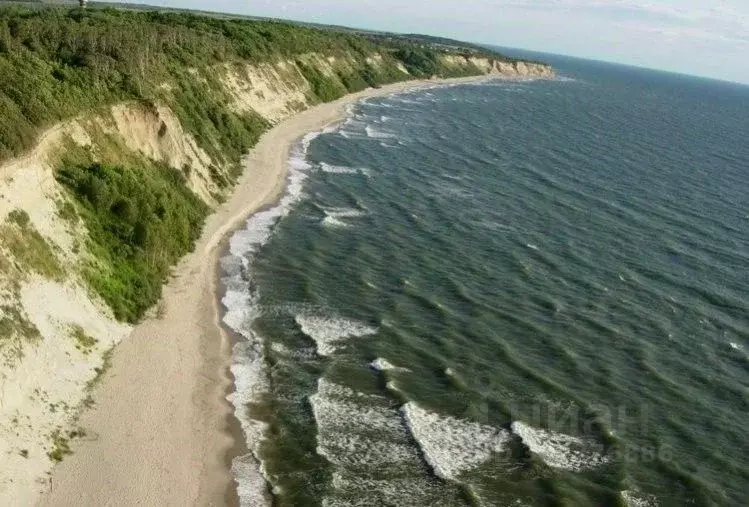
(66, 211)
(83, 341)
(141, 219)
(106, 364)
(61, 443)
(16, 330)
(30, 251)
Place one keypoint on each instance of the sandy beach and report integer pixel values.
(160, 432)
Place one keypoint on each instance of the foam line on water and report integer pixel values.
(452, 446)
(558, 450)
(363, 490)
(377, 134)
(341, 169)
(241, 309)
(637, 499)
(329, 333)
(374, 458)
(335, 217)
(338, 169)
(348, 416)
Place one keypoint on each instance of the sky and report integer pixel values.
(700, 37)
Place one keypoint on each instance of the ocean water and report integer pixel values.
(506, 293)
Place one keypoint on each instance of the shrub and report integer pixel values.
(141, 220)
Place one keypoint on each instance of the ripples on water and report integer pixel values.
(505, 293)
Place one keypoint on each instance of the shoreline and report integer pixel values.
(162, 431)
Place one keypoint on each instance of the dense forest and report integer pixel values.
(55, 63)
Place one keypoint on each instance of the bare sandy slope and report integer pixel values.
(158, 434)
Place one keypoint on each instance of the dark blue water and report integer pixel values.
(509, 293)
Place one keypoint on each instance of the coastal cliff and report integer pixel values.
(115, 145)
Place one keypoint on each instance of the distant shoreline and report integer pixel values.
(162, 430)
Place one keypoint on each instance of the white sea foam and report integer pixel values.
(248, 362)
(364, 436)
(335, 217)
(329, 333)
(303, 354)
(356, 451)
(251, 485)
(637, 499)
(452, 446)
(348, 416)
(381, 364)
(336, 169)
(334, 223)
(333, 390)
(250, 380)
(558, 450)
(402, 491)
(376, 134)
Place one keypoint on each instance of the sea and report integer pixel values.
(503, 293)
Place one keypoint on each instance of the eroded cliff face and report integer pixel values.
(55, 331)
(523, 69)
(499, 68)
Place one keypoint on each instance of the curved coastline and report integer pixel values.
(162, 431)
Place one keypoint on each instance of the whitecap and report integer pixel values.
(333, 222)
(452, 446)
(558, 450)
(338, 169)
(303, 353)
(637, 499)
(376, 134)
(358, 430)
(381, 364)
(335, 217)
(330, 332)
(400, 491)
(343, 415)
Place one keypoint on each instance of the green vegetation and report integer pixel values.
(83, 341)
(106, 364)
(419, 62)
(141, 219)
(61, 443)
(29, 249)
(324, 87)
(15, 331)
(201, 106)
(57, 63)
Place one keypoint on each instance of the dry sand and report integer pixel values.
(160, 433)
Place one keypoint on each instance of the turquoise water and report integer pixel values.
(505, 293)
